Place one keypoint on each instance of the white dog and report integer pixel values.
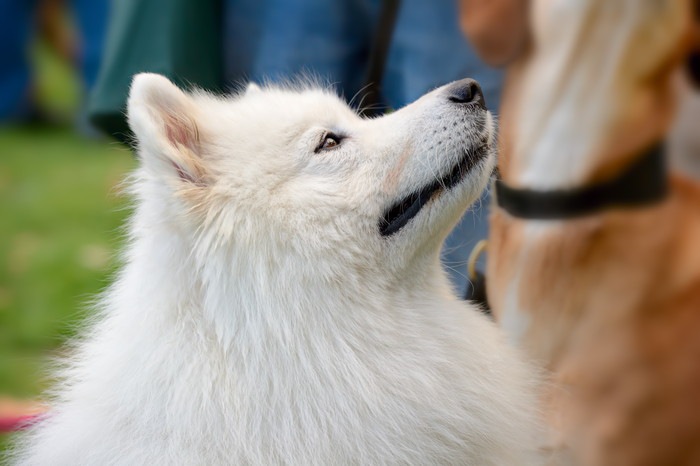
(282, 300)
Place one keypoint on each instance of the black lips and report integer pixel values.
(400, 213)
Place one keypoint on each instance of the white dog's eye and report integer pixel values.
(329, 141)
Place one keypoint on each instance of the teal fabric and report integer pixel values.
(180, 39)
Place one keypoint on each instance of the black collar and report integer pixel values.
(644, 182)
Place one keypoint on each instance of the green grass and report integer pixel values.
(61, 217)
(61, 223)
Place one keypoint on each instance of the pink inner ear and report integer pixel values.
(180, 132)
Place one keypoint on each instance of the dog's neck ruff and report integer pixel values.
(643, 183)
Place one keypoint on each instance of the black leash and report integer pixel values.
(476, 292)
(476, 281)
(693, 61)
(378, 56)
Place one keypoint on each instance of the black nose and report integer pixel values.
(466, 91)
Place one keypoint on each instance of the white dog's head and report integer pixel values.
(279, 171)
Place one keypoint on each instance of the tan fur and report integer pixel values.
(612, 300)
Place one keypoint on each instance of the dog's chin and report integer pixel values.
(401, 213)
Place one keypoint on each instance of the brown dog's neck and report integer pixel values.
(593, 92)
(578, 149)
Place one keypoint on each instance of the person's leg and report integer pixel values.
(91, 20)
(279, 39)
(428, 51)
(16, 27)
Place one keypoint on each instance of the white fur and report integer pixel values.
(260, 318)
(514, 320)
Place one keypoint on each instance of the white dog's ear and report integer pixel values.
(164, 120)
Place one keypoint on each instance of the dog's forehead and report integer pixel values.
(282, 107)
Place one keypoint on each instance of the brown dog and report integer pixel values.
(609, 301)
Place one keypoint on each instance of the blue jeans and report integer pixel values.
(16, 27)
(91, 18)
(279, 39)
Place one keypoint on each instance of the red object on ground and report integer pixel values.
(18, 414)
(11, 424)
